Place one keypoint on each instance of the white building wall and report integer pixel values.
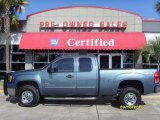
(96, 14)
(152, 36)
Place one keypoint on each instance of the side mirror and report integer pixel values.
(51, 68)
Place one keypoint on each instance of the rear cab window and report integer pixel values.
(85, 64)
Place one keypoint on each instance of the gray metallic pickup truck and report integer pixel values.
(81, 76)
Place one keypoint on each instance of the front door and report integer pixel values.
(63, 80)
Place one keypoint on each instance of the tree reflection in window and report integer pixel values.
(64, 65)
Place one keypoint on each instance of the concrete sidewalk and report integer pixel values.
(100, 109)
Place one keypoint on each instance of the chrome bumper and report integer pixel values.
(11, 92)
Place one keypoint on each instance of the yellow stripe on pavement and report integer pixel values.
(1, 91)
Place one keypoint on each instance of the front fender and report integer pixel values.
(27, 78)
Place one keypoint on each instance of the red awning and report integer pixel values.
(82, 40)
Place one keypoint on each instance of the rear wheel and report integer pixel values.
(28, 96)
(130, 98)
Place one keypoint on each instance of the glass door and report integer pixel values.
(104, 62)
(110, 61)
(116, 61)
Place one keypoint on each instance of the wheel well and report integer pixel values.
(132, 83)
(23, 83)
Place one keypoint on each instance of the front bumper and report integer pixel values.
(11, 92)
(157, 89)
(9, 88)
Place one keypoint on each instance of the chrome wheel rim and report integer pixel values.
(130, 99)
(27, 97)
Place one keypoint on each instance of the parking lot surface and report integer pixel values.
(60, 109)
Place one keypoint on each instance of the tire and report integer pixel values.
(116, 98)
(28, 96)
(130, 98)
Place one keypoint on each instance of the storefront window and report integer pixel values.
(2, 53)
(145, 58)
(2, 62)
(104, 61)
(148, 66)
(116, 62)
(17, 58)
(42, 58)
(128, 61)
(39, 65)
(2, 66)
(15, 48)
(18, 66)
(149, 61)
(2, 75)
(53, 56)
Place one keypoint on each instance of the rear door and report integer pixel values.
(87, 76)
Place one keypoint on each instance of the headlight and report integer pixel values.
(9, 77)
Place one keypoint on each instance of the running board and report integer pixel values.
(70, 98)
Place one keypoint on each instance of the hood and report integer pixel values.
(33, 71)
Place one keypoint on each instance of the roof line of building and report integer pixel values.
(145, 20)
(66, 7)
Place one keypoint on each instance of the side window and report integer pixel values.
(64, 65)
(85, 65)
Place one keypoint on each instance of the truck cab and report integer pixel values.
(71, 76)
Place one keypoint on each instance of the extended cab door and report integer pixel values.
(63, 80)
(87, 76)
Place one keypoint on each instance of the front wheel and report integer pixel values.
(130, 98)
(28, 96)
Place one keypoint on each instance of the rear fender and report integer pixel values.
(128, 77)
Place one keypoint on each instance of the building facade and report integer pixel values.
(112, 34)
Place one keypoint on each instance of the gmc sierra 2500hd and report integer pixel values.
(81, 76)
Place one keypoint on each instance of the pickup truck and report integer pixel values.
(81, 76)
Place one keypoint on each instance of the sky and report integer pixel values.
(145, 8)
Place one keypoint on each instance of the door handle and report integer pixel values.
(69, 76)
